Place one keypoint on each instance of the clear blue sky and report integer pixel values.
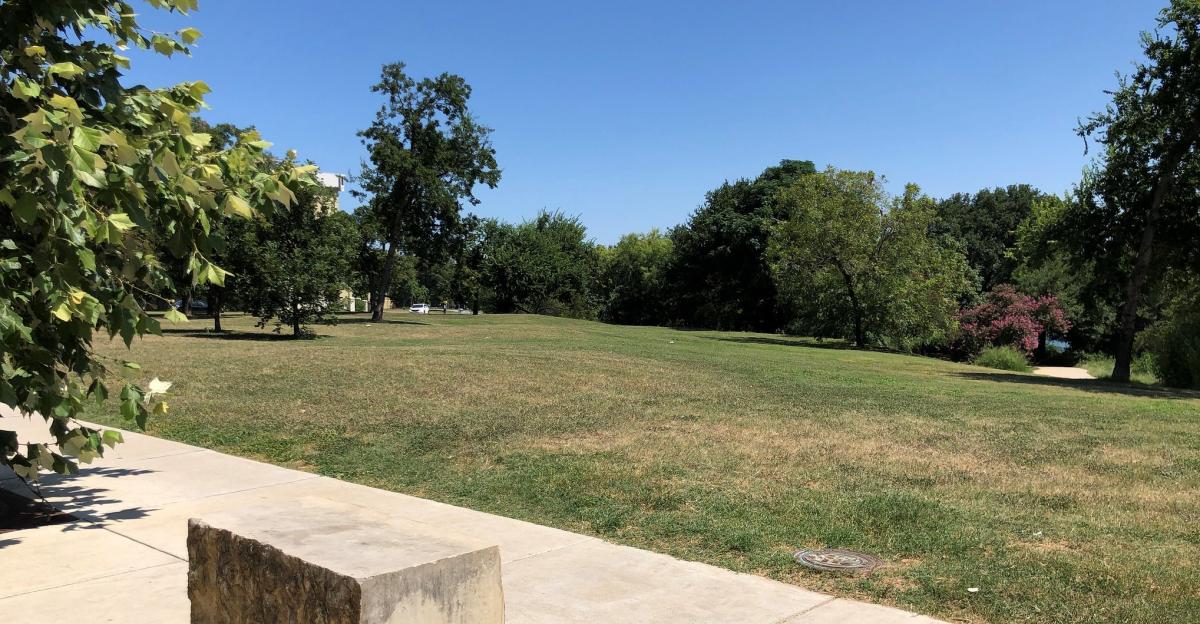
(625, 113)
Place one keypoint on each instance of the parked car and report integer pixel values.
(419, 308)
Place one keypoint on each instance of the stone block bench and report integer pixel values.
(315, 561)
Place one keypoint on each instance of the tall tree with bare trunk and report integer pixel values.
(1140, 214)
(427, 153)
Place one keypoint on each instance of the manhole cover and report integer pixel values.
(836, 560)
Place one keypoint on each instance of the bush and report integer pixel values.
(1003, 358)
(1175, 345)
(1009, 318)
(1143, 369)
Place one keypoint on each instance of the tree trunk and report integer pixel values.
(383, 284)
(295, 320)
(1141, 266)
(214, 307)
(860, 337)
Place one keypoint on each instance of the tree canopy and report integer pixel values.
(719, 274)
(857, 263)
(986, 224)
(1139, 214)
(541, 266)
(292, 265)
(427, 153)
(633, 275)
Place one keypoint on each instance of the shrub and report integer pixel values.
(1003, 358)
(1009, 318)
(1143, 369)
(1174, 343)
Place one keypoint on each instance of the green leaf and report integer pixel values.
(132, 366)
(26, 208)
(163, 45)
(175, 316)
(62, 312)
(198, 139)
(199, 89)
(66, 70)
(26, 89)
(113, 438)
(238, 206)
(121, 221)
(189, 35)
(214, 274)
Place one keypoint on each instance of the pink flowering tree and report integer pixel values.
(1007, 317)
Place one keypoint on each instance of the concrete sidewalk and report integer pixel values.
(126, 559)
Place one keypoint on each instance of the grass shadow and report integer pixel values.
(1088, 385)
(367, 321)
(236, 335)
(840, 345)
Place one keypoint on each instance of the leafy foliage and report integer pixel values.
(92, 175)
(1139, 216)
(857, 263)
(720, 273)
(542, 266)
(1004, 358)
(1009, 318)
(293, 265)
(1174, 341)
(427, 153)
(986, 223)
(634, 276)
(1048, 266)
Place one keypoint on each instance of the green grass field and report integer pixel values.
(1062, 501)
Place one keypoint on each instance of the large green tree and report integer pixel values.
(634, 278)
(93, 174)
(546, 265)
(1047, 265)
(292, 265)
(719, 273)
(986, 223)
(427, 154)
(1140, 214)
(858, 263)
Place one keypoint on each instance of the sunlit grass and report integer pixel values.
(1062, 501)
(1101, 367)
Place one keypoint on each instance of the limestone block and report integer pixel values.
(312, 560)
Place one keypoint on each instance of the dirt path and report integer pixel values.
(1063, 372)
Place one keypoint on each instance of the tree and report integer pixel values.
(542, 266)
(720, 273)
(92, 175)
(224, 136)
(1048, 266)
(426, 154)
(634, 276)
(1140, 214)
(857, 263)
(986, 223)
(293, 265)
(1173, 341)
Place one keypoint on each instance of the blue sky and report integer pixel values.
(625, 113)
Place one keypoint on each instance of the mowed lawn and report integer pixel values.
(1060, 501)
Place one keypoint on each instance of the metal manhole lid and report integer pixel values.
(836, 560)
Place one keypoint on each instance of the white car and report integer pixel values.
(419, 308)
